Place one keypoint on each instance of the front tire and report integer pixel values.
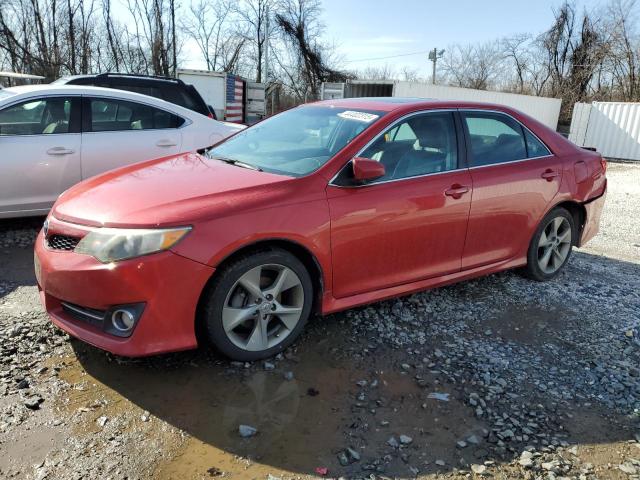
(258, 305)
(551, 245)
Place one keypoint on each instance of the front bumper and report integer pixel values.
(168, 284)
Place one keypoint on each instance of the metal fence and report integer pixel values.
(613, 128)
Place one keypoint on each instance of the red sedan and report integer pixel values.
(318, 209)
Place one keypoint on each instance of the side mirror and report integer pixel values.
(367, 169)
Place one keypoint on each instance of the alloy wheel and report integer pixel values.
(263, 307)
(554, 245)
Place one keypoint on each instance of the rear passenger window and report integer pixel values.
(535, 148)
(111, 115)
(494, 139)
(420, 145)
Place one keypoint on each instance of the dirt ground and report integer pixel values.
(498, 377)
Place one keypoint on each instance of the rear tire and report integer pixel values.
(551, 245)
(258, 305)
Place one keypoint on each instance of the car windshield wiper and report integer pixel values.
(237, 163)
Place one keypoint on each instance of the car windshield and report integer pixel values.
(296, 142)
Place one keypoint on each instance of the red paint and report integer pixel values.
(367, 169)
(370, 242)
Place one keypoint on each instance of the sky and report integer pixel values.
(362, 29)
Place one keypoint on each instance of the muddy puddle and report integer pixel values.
(302, 423)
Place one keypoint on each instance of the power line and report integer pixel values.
(390, 56)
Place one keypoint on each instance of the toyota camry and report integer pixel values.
(318, 209)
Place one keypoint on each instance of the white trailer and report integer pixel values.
(612, 128)
(543, 109)
(231, 97)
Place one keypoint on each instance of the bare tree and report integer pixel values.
(473, 66)
(382, 72)
(253, 16)
(215, 28)
(307, 66)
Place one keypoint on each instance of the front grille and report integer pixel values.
(62, 242)
(85, 314)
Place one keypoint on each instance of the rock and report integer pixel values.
(269, 366)
(33, 403)
(22, 384)
(440, 463)
(362, 383)
(461, 444)
(628, 468)
(353, 455)
(405, 439)
(288, 376)
(102, 421)
(348, 456)
(526, 459)
(406, 366)
(145, 417)
(392, 442)
(473, 440)
(478, 469)
(550, 466)
(247, 431)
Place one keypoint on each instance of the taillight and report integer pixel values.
(210, 115)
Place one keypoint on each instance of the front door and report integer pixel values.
(40, 143)
(410, 224)
(515, 177)
(119, 132)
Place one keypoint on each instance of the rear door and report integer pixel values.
(120, 132)
(515, 177)
(40, 145)
(256, 107)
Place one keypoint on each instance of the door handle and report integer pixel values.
(60, 151)
(166, 143)
(549, 174)
(456, 191)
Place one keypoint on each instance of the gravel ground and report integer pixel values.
(498, 377)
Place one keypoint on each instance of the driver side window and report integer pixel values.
(420, 145)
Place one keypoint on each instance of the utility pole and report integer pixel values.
(266, 49)
(434, 55)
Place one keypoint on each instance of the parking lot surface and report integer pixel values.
(498, 376)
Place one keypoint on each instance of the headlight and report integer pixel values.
(113, 244)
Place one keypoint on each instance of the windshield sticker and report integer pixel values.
(359, 116)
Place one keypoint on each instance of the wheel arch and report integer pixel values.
(577, 211)
(301, 252)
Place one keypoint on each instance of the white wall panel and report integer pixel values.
(543, 109)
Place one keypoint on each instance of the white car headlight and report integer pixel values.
(113, 244)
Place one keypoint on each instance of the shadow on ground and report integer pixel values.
(305, 422)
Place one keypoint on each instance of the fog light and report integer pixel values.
(123, 320)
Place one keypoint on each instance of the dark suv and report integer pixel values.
(165, 88)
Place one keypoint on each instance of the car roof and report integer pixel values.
(122, 76)
(390, 104)
(51, 89)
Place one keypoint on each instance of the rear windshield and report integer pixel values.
(298, 141)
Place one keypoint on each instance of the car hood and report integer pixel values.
(173, 190)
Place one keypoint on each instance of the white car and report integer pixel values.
(52, 137)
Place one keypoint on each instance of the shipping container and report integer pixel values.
(544, 109)
(612, 128)
(231, 97)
